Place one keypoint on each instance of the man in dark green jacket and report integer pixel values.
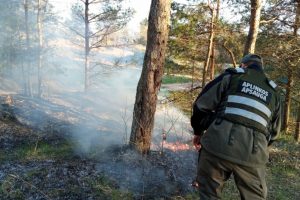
(236, 116)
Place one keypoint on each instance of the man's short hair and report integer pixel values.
(252, 58)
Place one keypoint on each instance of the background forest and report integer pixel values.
(70, 74)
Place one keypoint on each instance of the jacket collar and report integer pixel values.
(255, 67)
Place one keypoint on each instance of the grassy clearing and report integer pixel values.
(169, 79)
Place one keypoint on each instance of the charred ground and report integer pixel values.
(40, 159)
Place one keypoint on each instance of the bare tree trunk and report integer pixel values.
(297, 19)
(288, 95)
(22, 65)
(297, 131)
(296, 28)
(287, 103)
(213, 62)
(40, 38)
(213, 53)
(28, 70)
(150, 80)
(256, 6)
(210, 47)
(10, 57)
(87, 45)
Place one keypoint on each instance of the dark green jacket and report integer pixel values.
(228, 139)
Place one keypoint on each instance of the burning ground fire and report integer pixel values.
(175, 146)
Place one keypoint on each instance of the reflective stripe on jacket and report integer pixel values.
(232, 140)
(249, 100)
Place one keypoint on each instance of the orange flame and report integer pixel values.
(176, 146)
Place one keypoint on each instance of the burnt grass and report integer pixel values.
(42, 166)
(45, 163)
(42, 161)
(37, 165)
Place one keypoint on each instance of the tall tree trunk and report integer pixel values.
(288, 95)
(40, 38)
(287, 103)
(297, 130)
(213, 62)
(150, 80)
(10, 58)
(296, 28)
(22, 65)
(254, 26)
(297, 19)
(213, 53)
(87, 45)
(28, 68)
(210, 47)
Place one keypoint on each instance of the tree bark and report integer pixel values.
(297, 131)
(296, 28)
(40, 38)
(288, 95)
(254, 26)
(213, 62)
(87, 45)
(287, 102)
(213, 53)
(210, 47)
(150, 80)
(28, 65)
(297, 19)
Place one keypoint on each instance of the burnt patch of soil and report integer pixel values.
(155, 176)
(45, 165)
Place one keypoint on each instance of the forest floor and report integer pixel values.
(39, 159)
(48, 168)
(42, 162)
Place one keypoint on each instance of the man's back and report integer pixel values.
(247, 109)
(233, 136)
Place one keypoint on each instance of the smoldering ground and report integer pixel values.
(98, 123)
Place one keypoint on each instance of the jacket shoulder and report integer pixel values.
(236, 70)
